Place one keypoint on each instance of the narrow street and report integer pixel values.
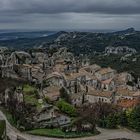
(105, 133)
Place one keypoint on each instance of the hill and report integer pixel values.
(79, 42)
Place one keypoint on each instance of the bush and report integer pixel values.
(66, 108)
(123, 120)
(27, 89)
(111, 121)
(102, 123)
(134, 118)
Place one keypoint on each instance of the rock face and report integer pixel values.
(120, 50)
(10, 65)
(3, 49)
(19, 58)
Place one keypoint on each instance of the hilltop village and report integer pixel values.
(48, 77)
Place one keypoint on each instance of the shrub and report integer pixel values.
(112, 121)
(134, 119)
(66, 108)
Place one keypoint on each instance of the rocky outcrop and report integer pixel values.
(120, 50)
(18, 58)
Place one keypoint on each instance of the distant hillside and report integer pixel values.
(80, 42)
(5, 35)
(27, 40)
(87, 42)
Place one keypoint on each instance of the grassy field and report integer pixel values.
(59, 133)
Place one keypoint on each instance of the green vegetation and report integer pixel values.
(134, 118)
(129, 118)
(111, 121)
(59, 133)
(25, 43)
(31, 100)
(84, 43)
(114, 62)
(30, 96)
(2, 130)
(66, 108)
(9, 117)
(29, 89)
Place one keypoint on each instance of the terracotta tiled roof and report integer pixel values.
(108, 81)
(126, 103)
(105, 71)
(123, 91)
(54, 74)
(100, 93)
(82, 72)
(93, 67)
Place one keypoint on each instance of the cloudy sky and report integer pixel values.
(69, 14)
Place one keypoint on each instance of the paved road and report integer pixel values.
(105, 133)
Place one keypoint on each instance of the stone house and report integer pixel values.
(78, 99)
(94, 96)
(108, 85)
(124, 93)
(127, 103)
(123, 78)
(105, 73)
(55, 78)
(92, 68)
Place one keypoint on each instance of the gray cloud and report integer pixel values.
(78, 6)
(69, 14)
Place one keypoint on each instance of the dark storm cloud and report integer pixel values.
(65, 6)
(69, 14)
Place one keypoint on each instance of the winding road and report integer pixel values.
(105, 133)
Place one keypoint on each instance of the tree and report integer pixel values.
(78, 124)
(111, 121)
(104, 112)
(123, 120)
(64, 95)
(134, 120)
(88, 115)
